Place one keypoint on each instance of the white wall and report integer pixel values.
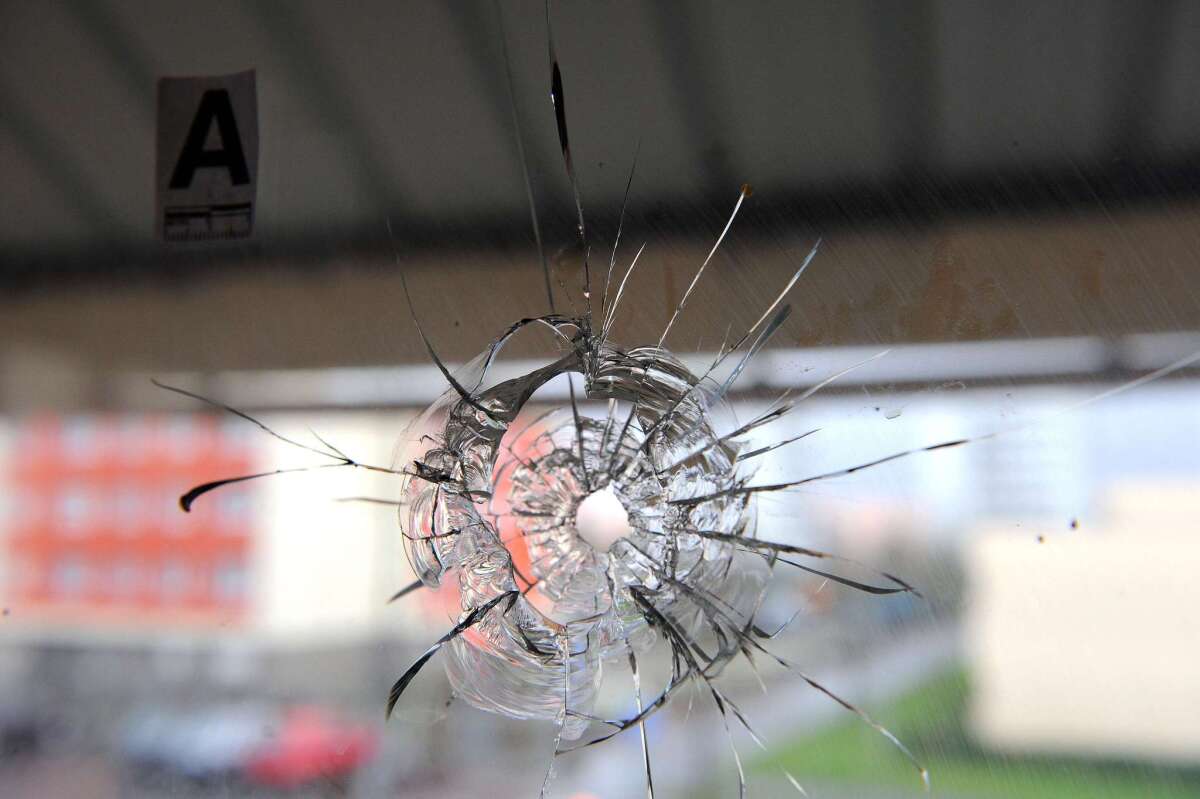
(322, 569)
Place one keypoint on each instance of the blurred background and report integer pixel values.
(1008, 197)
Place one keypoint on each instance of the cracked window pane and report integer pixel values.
(591, 400)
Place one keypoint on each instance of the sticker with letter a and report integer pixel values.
(207, 165)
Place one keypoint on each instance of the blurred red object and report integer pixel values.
(311, 746)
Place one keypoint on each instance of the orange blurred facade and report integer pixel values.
(95, 531)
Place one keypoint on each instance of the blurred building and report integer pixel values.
(93, 537)
(115, 598)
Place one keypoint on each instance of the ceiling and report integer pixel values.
(840, 115)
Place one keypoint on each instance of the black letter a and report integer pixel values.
(214, 103)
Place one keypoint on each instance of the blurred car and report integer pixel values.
(142, 736)
(312, 746)
(219, 743)
(207, 745)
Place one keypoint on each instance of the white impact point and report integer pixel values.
(602, 520)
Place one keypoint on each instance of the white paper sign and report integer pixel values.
(207, 166)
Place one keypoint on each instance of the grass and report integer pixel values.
(930, 721)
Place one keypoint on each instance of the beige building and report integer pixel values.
(1086, 641)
